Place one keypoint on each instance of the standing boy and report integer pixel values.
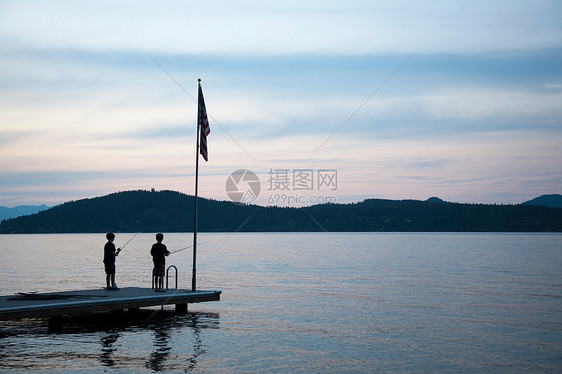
(159, 253)
(109, 254)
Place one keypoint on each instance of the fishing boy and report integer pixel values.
(159, 253)
(109, 254)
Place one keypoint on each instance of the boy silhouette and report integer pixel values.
(159, 253)
(109, 254)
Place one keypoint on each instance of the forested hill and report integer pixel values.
(169, 211)
(553, 201)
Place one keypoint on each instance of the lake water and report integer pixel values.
(301, 303)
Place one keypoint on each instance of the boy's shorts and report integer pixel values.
(159, 270)
(109, 269)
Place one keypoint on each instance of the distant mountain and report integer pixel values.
(436, 200)
(553, 201)
(21, 210)
(170, 211)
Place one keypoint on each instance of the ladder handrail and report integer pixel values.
(167, 273)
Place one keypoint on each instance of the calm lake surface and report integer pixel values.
(301, 303)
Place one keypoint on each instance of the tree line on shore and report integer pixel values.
(171, 211)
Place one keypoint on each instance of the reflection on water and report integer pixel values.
(198, 349)
(161, 349)
(174, 340)
(107, 348)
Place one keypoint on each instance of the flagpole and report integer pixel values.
(194, 271)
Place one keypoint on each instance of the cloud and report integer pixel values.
(471, 103)
(267, 27)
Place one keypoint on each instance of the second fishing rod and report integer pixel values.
(177, 250)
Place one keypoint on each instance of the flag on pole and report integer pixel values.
(203, 122)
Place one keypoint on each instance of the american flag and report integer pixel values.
(204, 124)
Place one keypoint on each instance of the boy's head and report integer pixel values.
(159, 237)
(110, 236)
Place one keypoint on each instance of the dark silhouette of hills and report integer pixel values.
(170, 211)
(553, 201)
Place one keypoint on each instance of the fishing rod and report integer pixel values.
(120, 249)
(189, 246)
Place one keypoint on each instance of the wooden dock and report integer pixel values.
(58, 304)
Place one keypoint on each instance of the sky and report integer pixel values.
(319, 101)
